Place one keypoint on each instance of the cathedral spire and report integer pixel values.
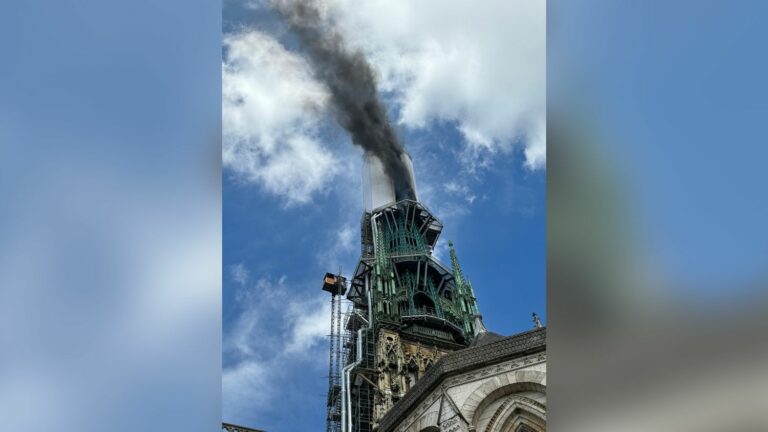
(474, 323)
(462, 283)
(457, 274)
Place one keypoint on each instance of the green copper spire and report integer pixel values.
(458, 276)
(466, 295)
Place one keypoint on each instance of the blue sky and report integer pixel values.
(476, 138)
(680, 96)
(109, 142)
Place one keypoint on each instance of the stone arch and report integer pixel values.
(507, 390)
(425, 423)
(518, 414)
(500, 386)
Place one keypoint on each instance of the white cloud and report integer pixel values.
(239, 273)
(243, 387)
(278, 328)
(441, 251)
(271, 114)
(342, 244)
(460, 189)
(481, 66)
(536, 153)
(311, 323)
(347, 237)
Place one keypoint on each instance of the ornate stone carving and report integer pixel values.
(453, 424)
(400, 365)
(505, 363)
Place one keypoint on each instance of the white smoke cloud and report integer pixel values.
(480, 65)
(271, 113)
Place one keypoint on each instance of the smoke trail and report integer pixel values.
(352, 85)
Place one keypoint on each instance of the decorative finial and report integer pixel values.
(536, 321)
(479, 326)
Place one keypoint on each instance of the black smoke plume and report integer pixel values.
(352, 84)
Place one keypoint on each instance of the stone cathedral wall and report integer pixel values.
(401, 363)
(505, 397)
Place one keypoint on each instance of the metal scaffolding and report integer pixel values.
(336, 286)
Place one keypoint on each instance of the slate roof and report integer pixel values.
(491, 351)
(228, 427)
(485, 338)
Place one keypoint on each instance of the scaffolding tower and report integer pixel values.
(336, 286)
(359, 361)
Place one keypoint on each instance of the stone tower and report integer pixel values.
(408, 309)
